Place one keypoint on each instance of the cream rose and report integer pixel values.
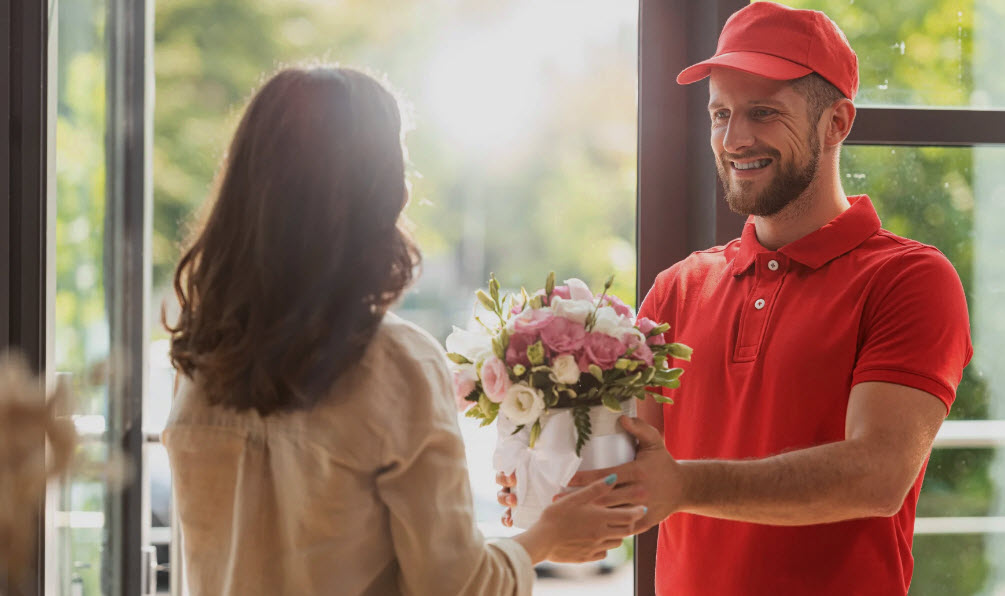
(609, 322)
(574, 310)
(565, 370)
(523, 404)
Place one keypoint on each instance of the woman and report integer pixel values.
(313, 439)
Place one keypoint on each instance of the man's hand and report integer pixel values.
(654, 479)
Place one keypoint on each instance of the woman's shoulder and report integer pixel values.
(397, 336)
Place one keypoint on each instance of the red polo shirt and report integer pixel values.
(780, 337)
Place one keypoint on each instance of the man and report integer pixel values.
(827, 351)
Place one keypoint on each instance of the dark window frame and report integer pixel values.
(24, 210)
(26, 237)
(677, 180)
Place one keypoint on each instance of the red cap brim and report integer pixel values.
(765, 65)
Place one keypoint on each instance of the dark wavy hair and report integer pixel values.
(303, 249)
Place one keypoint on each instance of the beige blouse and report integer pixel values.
(367, 493)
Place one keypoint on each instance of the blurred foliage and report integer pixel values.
(559, 196)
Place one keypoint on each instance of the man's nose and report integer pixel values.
(739, 136)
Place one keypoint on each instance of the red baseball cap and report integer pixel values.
(782, 43)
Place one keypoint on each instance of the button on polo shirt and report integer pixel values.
(780, 337)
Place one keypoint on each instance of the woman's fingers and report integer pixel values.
(506, 498)
(506, 481)
(625, 516)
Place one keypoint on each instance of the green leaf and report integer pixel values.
(489, 413)
(549, 286)
(485, 403)
(535, 353)
(662, 399)
(498, 349)
(674, 384)
(659, 330)
(535, 432)
(581, 417)
(517, 429)
(597, 372)
(611, 403)
(674, 373)
(622, 364)
(494, 288)
(680, 351)
(519, 369)
(457, 358)
(647, 375)
(475, 412)
(536, 302)
(486, 301)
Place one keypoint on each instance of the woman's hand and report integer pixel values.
(506, 497)
(576, 528)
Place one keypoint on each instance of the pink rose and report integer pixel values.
(601, 349)
(516, 353)
(495, 379)
(646, 326)
(532, 321)
(562, 335)
(641, 350)
(562, 292)
(464, 383)
(619, 307)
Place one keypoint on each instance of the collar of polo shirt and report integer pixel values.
(841, 235)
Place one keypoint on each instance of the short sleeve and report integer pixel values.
(657, 304)
(916, 329)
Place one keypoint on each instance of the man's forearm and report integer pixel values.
(826, 483)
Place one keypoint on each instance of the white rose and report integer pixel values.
(523, 404)
(574, 310)
(565, 370)
(473, 345)
(611, 323)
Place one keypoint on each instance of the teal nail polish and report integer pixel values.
(610, 480)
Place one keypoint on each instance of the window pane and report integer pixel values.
(957, 564)
(923, 52)
(87, 551)
(953, 198)
(523, 154)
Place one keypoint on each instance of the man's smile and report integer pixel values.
(749, 168)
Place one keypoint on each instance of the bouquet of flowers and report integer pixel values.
(547, 367)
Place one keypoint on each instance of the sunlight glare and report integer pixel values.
(488, 87)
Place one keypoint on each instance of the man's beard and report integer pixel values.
(787, 186)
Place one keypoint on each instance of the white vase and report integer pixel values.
(609, 445)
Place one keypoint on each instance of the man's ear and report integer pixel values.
(840, 118)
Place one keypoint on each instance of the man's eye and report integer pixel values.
(762, 113)
(720, 114)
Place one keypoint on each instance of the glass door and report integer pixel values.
(97, 236)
